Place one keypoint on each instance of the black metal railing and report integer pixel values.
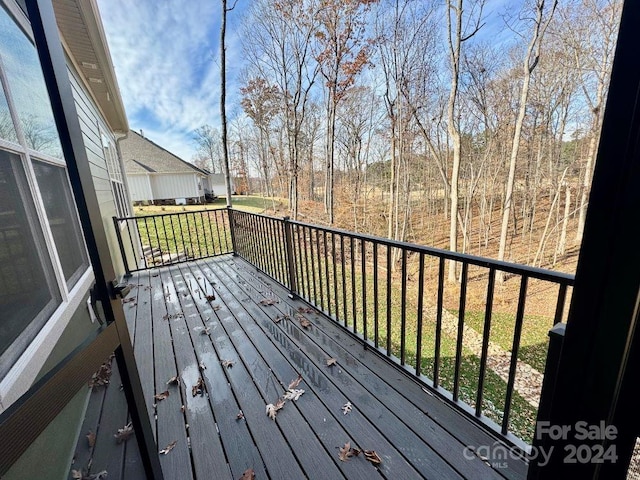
(394, 297)
(170, 238)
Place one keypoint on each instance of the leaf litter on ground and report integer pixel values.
(124, 433)
(168, 448)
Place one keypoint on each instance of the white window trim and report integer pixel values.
(26, 369)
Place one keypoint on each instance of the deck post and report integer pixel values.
(232, 230)
(556, 338)
(291, 265)
(125, 260)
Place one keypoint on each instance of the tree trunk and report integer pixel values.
(223, 95)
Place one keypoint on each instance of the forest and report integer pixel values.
(469, 125)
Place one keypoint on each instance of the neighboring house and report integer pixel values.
(217, 186)
(157, 176)
(45, 273)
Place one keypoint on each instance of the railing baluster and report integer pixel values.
(344, 281)
(306, 262)
(517, 331)
(436, 354)
(146, 228)
(319, 257)
(485, 339)
(313, 267)
(403, 310)
(388, 301)
(363, 257)
(335, 275)
(218, 231)
(463, 299)
(419, 314)
(157, 238)
(353, 285)
(131, 223)
(326, 271)
(375, 295)
(562, 295)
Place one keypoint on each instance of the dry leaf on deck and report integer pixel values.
(372, 456)
(174, 380)
(268, 301)
(277, 319)
(331, 362)
(161, 396)
(198, 388)
(271, 411)
(305, 309)
(124, 433)
(210, 298)
(76, 474)
(295, 383)
(240, 415)
(79, 475)
(168, 448)
(205, 331)
(202, 366)
(227, 363)
(345, 452)
(248, 474)
(304, 322)
(130, 299)
(293, 394)
(91, 439)
(216, 307)
(346, 408)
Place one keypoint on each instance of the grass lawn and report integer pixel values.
(247, 203)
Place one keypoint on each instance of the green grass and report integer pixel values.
(533, 338)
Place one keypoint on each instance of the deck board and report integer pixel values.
(416, 434)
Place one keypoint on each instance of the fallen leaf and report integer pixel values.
(161, 396)
(198, 388)
(271, 411)
(268, 301)
(294, 383)
(202, 366)
(372, 456)
(182, 409)
(91, 439)
(305, 309)
(240, 415)
(127, 300)
(305, 323)
(76, 474)
(217, 307)
(205, 331)
(279, 404)
(248, 474)
(345, 452)
(103, 375)
(293, 394)
(210, 298)
(174, 380)
(331, 362)
(168, 448)
(124, 433)
(346, 408)
(227, 363)
(277, 319)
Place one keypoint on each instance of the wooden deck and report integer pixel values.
(179, 329)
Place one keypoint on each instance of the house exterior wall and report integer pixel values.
(183, 185)
(140, 187)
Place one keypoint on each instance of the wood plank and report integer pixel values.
(91, 422)
(108, 454)
(170, 419)
(238, 444)
(143, 339)
(277, 454)
(324, 414)
(374, 366)
(206, 448)
(418, 452)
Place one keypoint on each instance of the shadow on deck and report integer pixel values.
(187, 320)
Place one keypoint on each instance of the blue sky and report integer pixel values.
(166, 57)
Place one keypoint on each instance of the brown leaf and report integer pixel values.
(227, 363)
(91, 439)
(124, 433)
(294, 383)
(248, 474)
(271, 411)
(202, 366)
(345, 452)
(174, 380)
(279, 404)
(103, 375)
(346, 408)
(277, 319)
(293, 394)
(305, 323)
(168, 448)
(76, 474)
(331, 362)
(205, 331)
(268, 301)
(373, 457)
(240, 415)
(198, 388)
(210, 298)
(217, 307)
(161, 396)
(305, 309)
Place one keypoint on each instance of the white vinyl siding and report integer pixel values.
(176, 185)
(140, 187)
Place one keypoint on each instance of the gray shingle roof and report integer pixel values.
(141, 155)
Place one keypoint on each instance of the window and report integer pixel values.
(60, 208)
(115, 175)
(42, 252)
